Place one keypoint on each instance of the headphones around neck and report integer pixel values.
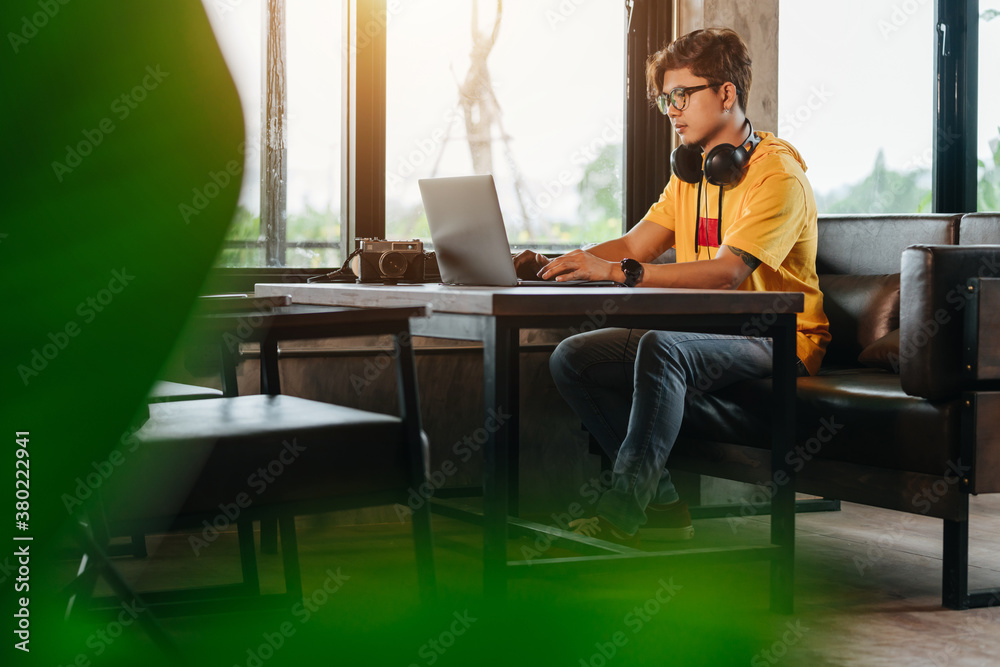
(724, 164)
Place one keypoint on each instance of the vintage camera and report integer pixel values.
(382, 261)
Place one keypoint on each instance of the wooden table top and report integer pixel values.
(304, 321)
(516, 301)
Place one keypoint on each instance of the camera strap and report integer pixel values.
(342, 275)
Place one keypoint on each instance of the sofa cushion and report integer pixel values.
(857, 416)
(979, 229)
(883, 353)
(872, 244)
(861, 310)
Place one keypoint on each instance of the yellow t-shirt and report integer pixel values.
(771, 214)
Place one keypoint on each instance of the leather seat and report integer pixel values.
(191, 455)
(857, 416)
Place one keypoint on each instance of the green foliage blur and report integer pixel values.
(600, 189)
(882, 191)
(988, 193)
(310, 225)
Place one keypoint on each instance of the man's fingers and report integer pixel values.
(556, 267)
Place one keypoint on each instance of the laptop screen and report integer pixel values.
(470, 240)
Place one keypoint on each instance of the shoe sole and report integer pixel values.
(672, 534)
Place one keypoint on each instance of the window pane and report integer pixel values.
(989, 106)
(856, 99)
(237, 29)
(313, 132)
(541, 108)
(312, 129)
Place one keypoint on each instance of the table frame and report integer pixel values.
(500, 338)
(499, 333)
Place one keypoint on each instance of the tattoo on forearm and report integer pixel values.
(747, 258)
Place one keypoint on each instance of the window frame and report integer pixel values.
(954, 172)
(647, 143)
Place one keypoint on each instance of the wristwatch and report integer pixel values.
(633, 272)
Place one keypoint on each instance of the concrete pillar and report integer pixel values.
(757, 23)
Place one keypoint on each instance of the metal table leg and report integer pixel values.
(500, 356)
(782, 442)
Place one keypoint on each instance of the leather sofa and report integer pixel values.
(905, 412)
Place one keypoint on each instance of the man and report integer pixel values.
(756, 231)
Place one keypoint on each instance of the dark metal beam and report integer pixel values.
(647, 132)
(956, 69)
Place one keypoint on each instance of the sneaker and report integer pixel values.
(673, 521)
(601, 529)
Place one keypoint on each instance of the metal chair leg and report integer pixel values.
(124, 592)
(290, 558)
(269, 536)
(423, 544)
(248, 557)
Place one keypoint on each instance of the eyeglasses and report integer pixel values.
(678, 97)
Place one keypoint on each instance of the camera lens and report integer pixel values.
(392, 264)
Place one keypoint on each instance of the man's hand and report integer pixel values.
(528, 264)
(580, 265)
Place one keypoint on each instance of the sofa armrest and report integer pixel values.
(933, 293)
(982, 331)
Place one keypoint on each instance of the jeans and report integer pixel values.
(628, 386)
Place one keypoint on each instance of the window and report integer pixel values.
(533, 95)
(237, 29)
(856, 99)
(313, 133)
(988, 149)
(307, 215)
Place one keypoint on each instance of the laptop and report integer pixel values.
(470, 240)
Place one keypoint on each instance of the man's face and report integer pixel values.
(702, 118)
